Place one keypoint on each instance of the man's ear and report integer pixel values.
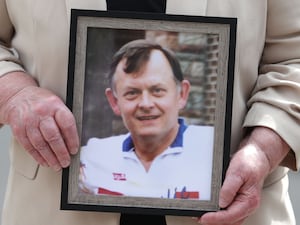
(113, 101)
(184, 93)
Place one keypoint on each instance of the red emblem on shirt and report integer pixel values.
(103, 191)
(187, 195)
(119, 176)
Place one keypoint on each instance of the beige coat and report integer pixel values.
(268, 32)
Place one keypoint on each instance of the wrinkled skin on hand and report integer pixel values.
(240, 195)
(42, 124)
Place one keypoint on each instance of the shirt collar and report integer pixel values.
(178, 142)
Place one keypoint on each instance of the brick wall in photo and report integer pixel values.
(198, 56)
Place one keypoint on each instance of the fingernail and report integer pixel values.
(74, 151)
(65, 163)
(222, 203)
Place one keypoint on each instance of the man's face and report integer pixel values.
(148, 100)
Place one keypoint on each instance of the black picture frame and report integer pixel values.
(92, 30)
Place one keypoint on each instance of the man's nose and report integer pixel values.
(146, 100)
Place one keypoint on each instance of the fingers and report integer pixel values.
(42, 138)
(240, 222)
(230, 188)
(67, 125)
(24, 141)
(53, 145)
(20, 134)
(42, 147)
(241, 191)
(238, 211)
(43, 125)
(49, 140)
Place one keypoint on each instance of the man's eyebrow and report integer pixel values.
(158, 85)
(130, 88)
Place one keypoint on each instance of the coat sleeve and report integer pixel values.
(275, 101)
(8, 56)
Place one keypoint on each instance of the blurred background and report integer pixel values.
(4, 167)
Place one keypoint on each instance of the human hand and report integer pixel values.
(240, 194)
(43, 125)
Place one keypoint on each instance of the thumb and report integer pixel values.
(229, 190)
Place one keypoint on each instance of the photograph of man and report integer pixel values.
(160, 156)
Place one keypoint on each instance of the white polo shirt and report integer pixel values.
(110, 166)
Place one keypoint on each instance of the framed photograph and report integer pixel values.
(152, 98)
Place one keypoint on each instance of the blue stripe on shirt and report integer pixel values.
(178, 142)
